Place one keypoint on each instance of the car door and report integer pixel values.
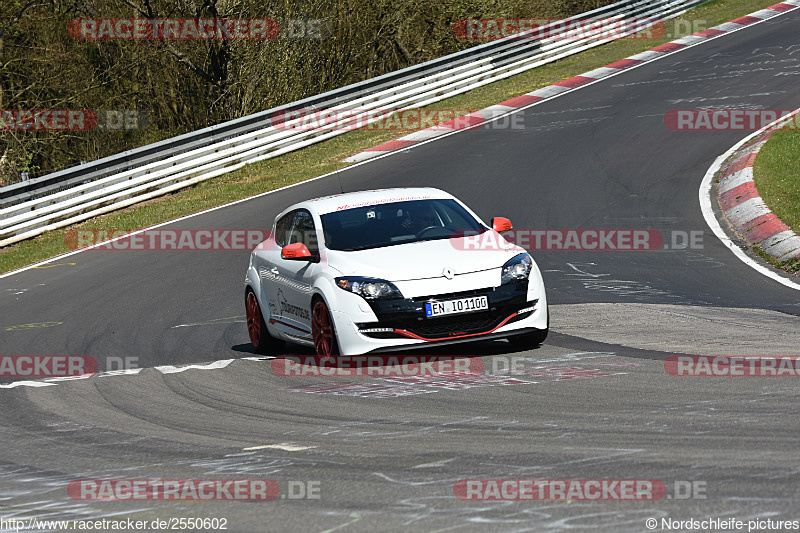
(294, 279)
(268, 259)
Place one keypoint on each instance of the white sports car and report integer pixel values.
(390, 269)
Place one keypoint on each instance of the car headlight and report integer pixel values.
(369, 288)
(517, 268)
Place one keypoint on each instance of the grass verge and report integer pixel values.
(777, 177)
(326, 156)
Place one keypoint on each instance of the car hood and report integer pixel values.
(421, 260)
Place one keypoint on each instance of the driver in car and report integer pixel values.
(421, 217)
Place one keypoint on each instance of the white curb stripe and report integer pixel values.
(746, 211)
(764, 14)
(550, 90)
(646, 56)
(424, 135)
(690, 39)
(728, 26)
(734, 180)
(783, 244)
(601, 72)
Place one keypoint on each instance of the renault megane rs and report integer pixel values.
(390, 269)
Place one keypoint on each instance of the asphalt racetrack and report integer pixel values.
(594, 402)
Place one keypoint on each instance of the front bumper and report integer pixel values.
(406, 318)
(402, 322)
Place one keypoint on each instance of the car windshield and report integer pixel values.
(379, 225)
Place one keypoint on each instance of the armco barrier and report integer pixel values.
(76, 194)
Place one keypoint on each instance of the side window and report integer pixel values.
(303, 230)
(282, 228)
(455, 217)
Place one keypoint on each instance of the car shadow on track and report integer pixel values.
(472, 349)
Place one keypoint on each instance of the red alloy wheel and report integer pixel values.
(322, 330)
(253, 319)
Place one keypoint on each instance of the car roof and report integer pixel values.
(350, 200)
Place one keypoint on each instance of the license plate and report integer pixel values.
(451, 307)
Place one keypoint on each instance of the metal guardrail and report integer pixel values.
(78, 193)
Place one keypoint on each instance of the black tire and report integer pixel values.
(529, 340)
(260, 338)
(533, 339)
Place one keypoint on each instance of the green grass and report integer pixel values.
(777, 177)
(791, 266)
(326, 156)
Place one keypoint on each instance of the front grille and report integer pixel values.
(437, 329)
(442, 327)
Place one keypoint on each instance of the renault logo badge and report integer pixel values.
(448, 272)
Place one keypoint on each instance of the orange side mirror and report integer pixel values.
(296, 252)
(501, 224)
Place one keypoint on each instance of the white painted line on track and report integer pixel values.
(437, 464)
(168, 369)
(286, 446)
(15, 384)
